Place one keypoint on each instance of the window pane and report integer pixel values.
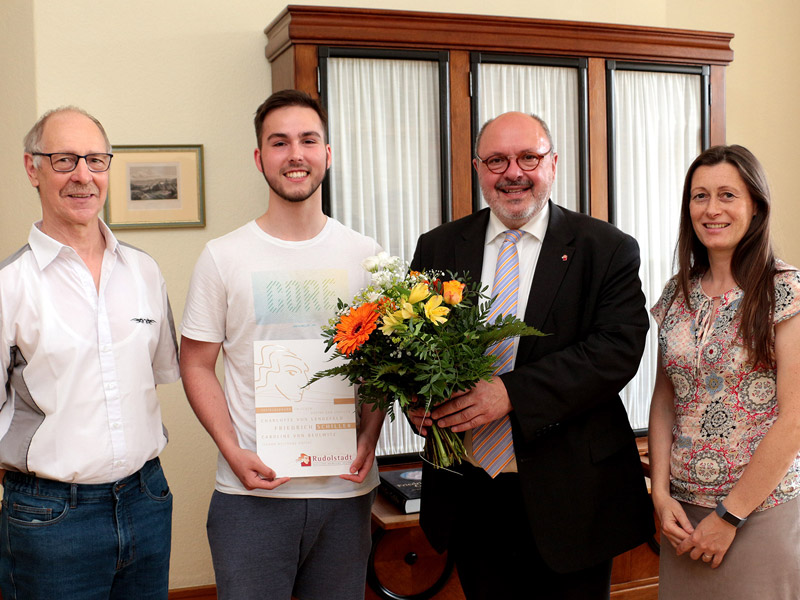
(658, 134)
(552, 94)
(384, 132)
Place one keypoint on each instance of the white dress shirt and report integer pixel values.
(80, 367)
(528, 248)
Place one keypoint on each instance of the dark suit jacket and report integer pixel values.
(579, 469)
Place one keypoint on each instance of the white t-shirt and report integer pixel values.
(248, 286)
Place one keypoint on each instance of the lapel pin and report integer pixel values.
(564, 257)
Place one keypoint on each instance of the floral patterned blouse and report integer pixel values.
(724, 405)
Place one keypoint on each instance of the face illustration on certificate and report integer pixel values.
(280, 373)
(302, 430)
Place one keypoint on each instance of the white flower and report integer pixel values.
(384, 260)
(386, 270)
(381, 261)
(370, 263)
(382, 279)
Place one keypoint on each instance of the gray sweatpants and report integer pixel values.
(314, 549)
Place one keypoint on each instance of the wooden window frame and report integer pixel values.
(297, 32)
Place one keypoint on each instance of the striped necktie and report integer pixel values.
(492, 445)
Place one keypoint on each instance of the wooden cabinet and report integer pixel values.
(298, 32)
(607, 172)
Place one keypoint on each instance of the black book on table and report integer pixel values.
(403, 487)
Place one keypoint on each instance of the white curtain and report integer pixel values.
(385, 178)
(550, 93)
(658, 134)
(384, 132)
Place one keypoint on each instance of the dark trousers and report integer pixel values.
(496, 555)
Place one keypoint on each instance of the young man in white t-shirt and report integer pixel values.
(278, 277)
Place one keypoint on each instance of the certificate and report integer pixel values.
(302, 430)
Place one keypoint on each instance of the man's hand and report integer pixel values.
(421, 419)
(365, 457)
(252, 472)
(484, 403)
(369, 430)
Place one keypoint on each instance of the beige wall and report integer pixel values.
(193, 72)
(18, 112)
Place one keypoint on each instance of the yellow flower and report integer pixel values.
(418, 293)
(406, 311)
(434, 311)
(390, 322)
(453, 292)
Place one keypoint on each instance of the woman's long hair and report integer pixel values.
(753, 262)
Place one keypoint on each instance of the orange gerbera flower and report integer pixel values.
(354, 328)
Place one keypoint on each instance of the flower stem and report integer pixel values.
(444, 448)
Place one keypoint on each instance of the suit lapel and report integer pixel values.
(469, 246)
(554, 260)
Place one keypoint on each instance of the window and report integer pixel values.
(390, 177)
(658, 124)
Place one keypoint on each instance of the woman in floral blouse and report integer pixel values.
(725, 414)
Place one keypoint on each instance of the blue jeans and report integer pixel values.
(86, 542)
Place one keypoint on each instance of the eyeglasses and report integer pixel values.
(65, 162)
(527, 161)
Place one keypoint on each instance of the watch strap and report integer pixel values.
(723, 514)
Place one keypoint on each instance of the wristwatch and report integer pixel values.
(723, 514)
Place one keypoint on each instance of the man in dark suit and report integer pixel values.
(573, 496)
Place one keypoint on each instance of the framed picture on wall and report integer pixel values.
(156, 186)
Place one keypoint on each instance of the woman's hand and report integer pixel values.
(710, 541)
(675, 524)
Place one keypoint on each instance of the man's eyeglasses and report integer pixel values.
(527, 161)
(65, 162)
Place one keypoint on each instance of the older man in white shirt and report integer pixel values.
(87, 334)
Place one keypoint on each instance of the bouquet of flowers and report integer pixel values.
(416, 337)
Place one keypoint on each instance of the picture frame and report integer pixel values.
(156, 187)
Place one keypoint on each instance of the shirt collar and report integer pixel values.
(537, 226)
(46, 249)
